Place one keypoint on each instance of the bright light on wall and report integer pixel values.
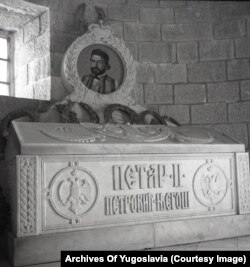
(4, 67)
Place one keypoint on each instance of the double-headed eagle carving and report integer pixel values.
(74, 193)
(210, 186)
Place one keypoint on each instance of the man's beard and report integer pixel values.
(97, 72)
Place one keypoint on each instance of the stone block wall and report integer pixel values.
(32, 58)
(193, 56)
(193, 59)
(29, 32)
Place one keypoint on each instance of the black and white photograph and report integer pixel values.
(100, 69)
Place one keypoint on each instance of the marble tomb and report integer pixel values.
(121, 187)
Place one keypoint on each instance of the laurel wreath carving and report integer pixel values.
(98, 35)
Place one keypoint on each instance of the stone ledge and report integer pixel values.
(46, 248)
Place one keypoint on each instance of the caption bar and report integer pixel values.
(76, 258)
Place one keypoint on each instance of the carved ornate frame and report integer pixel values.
(98, 34)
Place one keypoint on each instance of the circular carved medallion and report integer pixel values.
(210, 185)
(73, 192)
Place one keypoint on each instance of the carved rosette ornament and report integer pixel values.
(243, 181)
(73, 193)
(99, 35)
(26, 167)
(210, 185)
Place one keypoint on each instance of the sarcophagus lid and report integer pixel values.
(88, 138)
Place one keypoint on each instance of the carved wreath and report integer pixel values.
(132, 115)
(97, 34)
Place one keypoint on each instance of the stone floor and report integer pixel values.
(233, 244)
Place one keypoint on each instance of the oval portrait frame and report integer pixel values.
(98, 35)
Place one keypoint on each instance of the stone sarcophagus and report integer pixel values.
(94, 187)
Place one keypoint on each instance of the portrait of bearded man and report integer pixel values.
(98, 80)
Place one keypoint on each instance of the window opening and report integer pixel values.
(4, 66)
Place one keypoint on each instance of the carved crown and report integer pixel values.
(99, 30)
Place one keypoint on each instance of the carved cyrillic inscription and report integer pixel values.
(171, 201)
(243, 180)
(124, 204)
(93, 191)
(27, 195)
(146, 176)
(141, 203)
